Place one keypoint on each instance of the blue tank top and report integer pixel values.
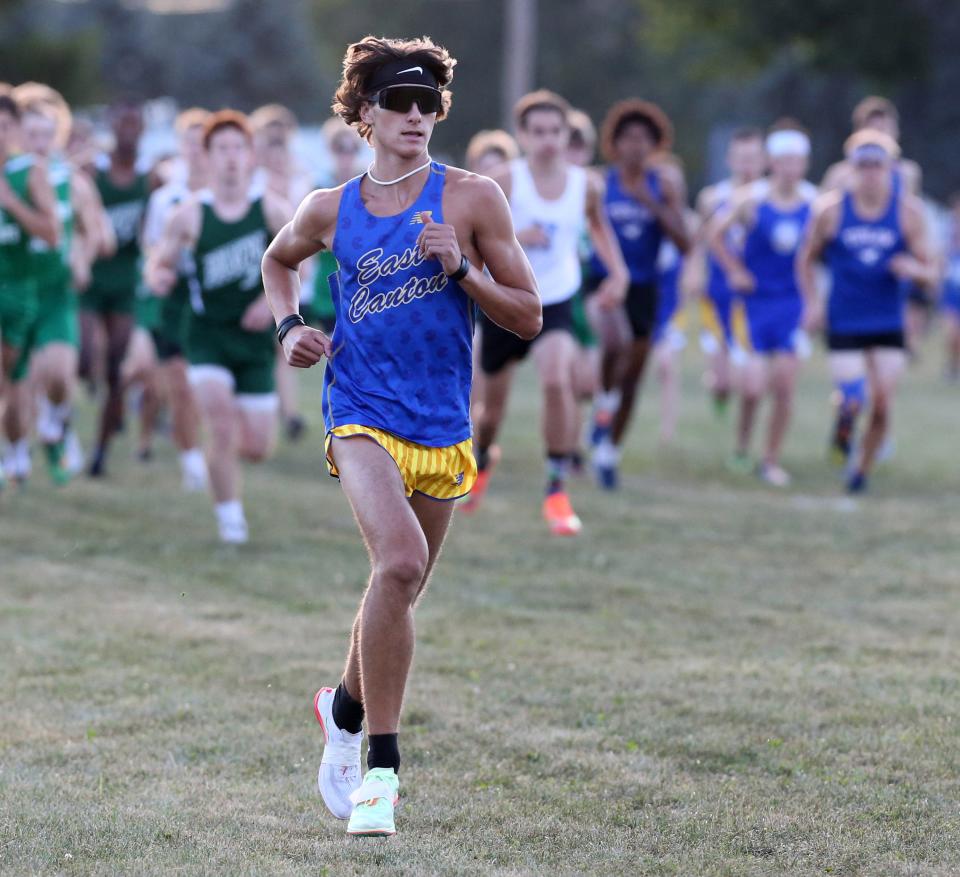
(770, 250)
(402, 346)
(865, 296)
(637, 229)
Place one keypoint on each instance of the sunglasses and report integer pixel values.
(399, 98)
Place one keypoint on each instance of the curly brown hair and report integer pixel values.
(365, 57)
(627, 112)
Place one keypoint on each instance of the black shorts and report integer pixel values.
(838, 342)
(919, 296)
(641, 305)
(498, 347)
(167, 348)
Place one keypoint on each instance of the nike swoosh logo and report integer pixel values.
(411, 70)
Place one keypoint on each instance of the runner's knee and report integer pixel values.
(402, 570)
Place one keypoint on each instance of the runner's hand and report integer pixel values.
(439, 241)
(905, 266)
(160, 280)
(304, 346)
(612, 292)
(741, 280)
(641, 191)
(257, 316)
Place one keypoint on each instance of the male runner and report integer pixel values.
(880, 114)
(51, 350)
(644, 202)
(107, 306)
(871, 237)
(274, 127)
(173, 313)
(28, 210)
(229, 341)
(550, 199)
(747, 163)
(412, 237)
(768, 307)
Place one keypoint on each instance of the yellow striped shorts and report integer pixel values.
(440, 473)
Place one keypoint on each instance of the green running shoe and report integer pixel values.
(740, 464)
(373, 804)
(59, 474)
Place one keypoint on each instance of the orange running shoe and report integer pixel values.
(472, 502)
(559, 515)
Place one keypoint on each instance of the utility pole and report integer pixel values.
(520, 54)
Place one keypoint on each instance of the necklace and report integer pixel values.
(416, 170)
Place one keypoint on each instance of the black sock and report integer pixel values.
(557, 465)
(347, 712)
(483, 458)
(383, 751)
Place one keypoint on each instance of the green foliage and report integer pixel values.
(72, 61)
(884, 41)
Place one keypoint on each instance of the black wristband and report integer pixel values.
(462, 271)
(286, 324)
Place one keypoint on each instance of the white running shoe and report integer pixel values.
(73, 453)
(339, 775)
(774, 475)
(234, 532)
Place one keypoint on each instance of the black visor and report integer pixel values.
(402, 71)
(399, 98)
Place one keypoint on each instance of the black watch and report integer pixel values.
(462, 271)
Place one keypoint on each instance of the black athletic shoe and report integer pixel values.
(296, 427)
(841, 442)
(857, 483)
(98, 465)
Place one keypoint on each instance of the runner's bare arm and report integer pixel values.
(822, 226)
(612, 292)
(509, 295)
(179, 233)
(669, 212)
(310, 231)
(741, 211)
(917, 264)
(86, 237)
(39, 220)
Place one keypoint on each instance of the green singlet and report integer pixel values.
(227, 281)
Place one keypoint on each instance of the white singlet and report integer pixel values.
(557, 265)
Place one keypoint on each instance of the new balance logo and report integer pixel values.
(458, 480)
(421, 217)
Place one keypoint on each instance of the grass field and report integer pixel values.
(715, 679)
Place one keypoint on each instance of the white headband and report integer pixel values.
(788, 142)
